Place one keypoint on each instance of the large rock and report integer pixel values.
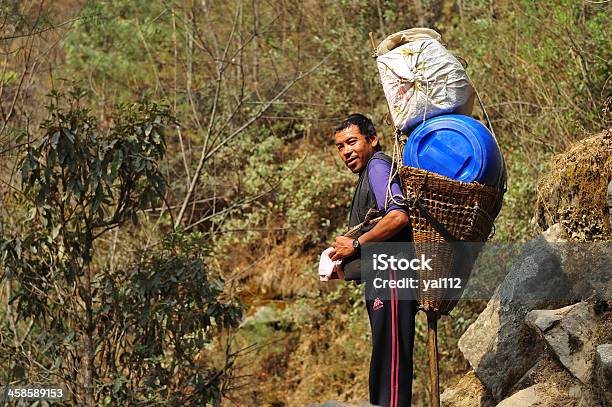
(548, 273)
(551, 394)
(555, 234)
(587, 266)
(498, 345)
(574, 191)
(569, 332)
(550, 384)
(603, 373)
(525, 398)
(468, 392)
(588, 269)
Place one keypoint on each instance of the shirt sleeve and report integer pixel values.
(378, 177)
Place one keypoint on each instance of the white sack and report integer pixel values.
(400, 38)
(422, 79)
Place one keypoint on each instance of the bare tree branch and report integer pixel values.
(205, 156)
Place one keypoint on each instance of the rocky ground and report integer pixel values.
(545, 337)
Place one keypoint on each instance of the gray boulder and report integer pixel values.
(588, 269)
(549, 394)
(569, 333)
(498, 345)
(555, 234)
(548, 273)
(525, 398)
(603, 373)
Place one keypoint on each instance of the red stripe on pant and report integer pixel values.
(392, 345)
(393, 387)
(397, 350)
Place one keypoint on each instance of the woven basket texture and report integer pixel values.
(467, 211)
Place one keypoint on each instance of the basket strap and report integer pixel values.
(503, 176)
(440, 228)
(372, 217)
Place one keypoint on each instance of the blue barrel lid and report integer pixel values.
(455, 146)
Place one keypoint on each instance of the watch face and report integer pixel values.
(355, 243)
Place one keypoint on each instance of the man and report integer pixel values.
(391, 320)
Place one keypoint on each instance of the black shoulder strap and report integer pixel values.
(441, 229)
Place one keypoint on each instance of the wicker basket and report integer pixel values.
(466, 210)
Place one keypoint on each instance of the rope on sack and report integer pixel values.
(422, 72)
(490, 126)
(396, 148)
(398, 144)
(396, 159)
(504, 176)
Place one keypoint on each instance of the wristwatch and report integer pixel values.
(357, 246)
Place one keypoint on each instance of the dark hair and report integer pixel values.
(365, 125)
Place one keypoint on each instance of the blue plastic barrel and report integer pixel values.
(455, 146)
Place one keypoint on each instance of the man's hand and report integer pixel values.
(385, 229)
(342, 248)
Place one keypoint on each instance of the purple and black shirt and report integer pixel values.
(378, 177)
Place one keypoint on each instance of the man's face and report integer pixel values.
(354, 148)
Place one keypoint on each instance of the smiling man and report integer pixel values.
(391, 321)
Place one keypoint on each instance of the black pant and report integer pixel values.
(392, 345)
